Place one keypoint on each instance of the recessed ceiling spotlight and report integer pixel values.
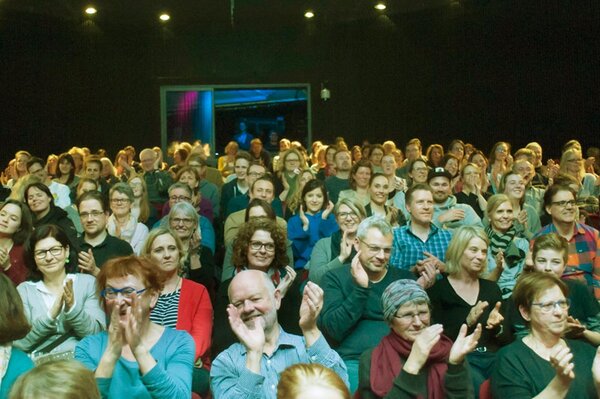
(309, 14)
(90, 11)
(164, 17)
(380, 6)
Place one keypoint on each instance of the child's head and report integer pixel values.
(550, 253)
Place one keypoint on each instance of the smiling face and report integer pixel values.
(137, 187)
(440, 186)
(314, 200)
(120, 204)
(292, 161)
(418, 172)
(480, 161)
(421, 207)
(501, 219)
(347, 219)
(47, 263)
(38, 201)
(473, 260)
(452, 166)
(362, 177)
(10, 220)
(514, 187)
(164, 252)
(410, 329)
(183, 225)
(566, 213)
(379, 189)
(189, 178)
(146, 300)
(241, 168)
(261, 259)
(549, 260)
(65, 167)
(255, 302)
(375, 251)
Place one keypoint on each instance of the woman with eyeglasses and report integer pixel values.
(544, 364)
(572, 164)
(260, 244)
(121, 223)
(189, 175)
(292, 163)
(337, 250)
(61, 307)
(464, 297)
(136, 358)
(15, 227)
(198, 261)
(182, 304)
(416, 359)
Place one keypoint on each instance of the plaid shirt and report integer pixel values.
(583, 262)
(408, 248)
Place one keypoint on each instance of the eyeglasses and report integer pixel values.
(547, 307)
(257, 245)
(119, 200)
(374, 250)
(127, 292)
(185, 221)
(256, 174)
(501, 149)
(292, 160)
(54, 251)
(564, 204)
(344, 215)
(575, 160)
(93, 214)
(408, 317)
(179, 198)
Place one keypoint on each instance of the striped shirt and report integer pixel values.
(583, 262)
(166, 309)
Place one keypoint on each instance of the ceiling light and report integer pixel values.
(380, 6)
(309, 14)
(90, 11)
(164, 17)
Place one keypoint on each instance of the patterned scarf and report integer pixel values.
(499, 241)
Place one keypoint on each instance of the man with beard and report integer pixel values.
(341, 180)
(447, 213)
(96, 246)
(420, 246)
(583, 262)
(250, 369)
(352, 318)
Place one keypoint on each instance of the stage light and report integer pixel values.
(90, 11)
(380, 6)
(309, 14)
(164, 17)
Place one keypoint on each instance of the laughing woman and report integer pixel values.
(136, 358)
(122, 224)
(62, 308)
(526, 217)
(314, 221)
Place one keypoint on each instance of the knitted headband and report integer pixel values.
(398, 293)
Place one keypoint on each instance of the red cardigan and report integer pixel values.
(17, 271)
(195, 315)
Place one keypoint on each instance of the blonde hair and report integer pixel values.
(458, 245)
(161, 231)
(295, 379)
(63, 379)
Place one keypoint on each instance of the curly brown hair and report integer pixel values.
(244, 235)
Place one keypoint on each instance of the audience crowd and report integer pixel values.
(371, 271)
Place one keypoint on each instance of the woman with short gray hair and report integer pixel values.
(121, 223)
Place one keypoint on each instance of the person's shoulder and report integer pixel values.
(85, 280)
(191, 285)
(581, 347)
(117, 242)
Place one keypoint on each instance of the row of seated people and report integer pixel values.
(318, 222)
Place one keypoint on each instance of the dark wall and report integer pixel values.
(499, 72)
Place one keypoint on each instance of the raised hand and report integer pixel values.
(596, 369)
(253, 336)
(500, 261)
(428, 275)
(452, 215)
(358, 272)
(115, 331)
(464, 344)
(312, 303)
(87, 263)
(345, 248)
(195, 242)
(574, 328)
(495, 318)
(68, 295)
(287, 281)
(560, 359)
(327, 210)
(303, 218)
(421, 348)
(133, 325)
(57, 306)
(522, 217)
(476, 312)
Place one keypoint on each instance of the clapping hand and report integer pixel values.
(464, 344)
(358, 272)
(560, 359)
(251, 335)
(495, 318)
(87, 263)
(345, 248)
(312, 303)
(476, 312)
(327, 210)
(303, 218)
(574, 328)
(68, 295)
(287, 281)
(422, 347)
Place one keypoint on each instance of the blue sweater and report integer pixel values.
(304, 241)
(18, 364)
(171, 378)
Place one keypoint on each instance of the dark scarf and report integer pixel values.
(505, 243)
(389, 355)
(336, 241)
